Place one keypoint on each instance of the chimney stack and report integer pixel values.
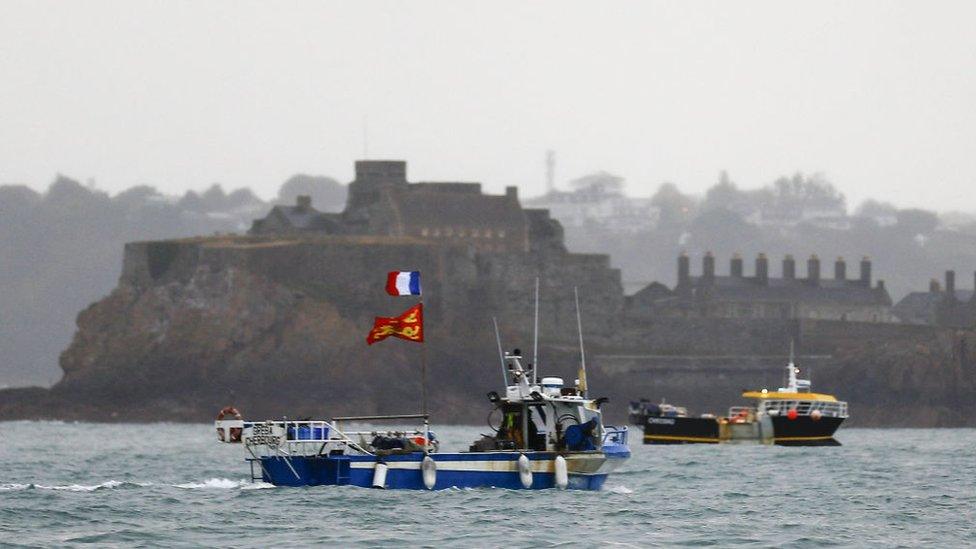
(735, 266)
(866, 271)
(684, 269)
(762, 269)
(708, 268)
(789, 267)
(950, 284)
(934, 286)
(840, 269)
(303, 202)
(813, 270)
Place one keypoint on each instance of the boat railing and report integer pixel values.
(614, 435)
(319, 437)
(742, 412)
(825, 408)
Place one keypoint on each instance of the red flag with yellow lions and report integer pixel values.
(409, 326)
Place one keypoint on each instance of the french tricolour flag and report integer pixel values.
(403, 283)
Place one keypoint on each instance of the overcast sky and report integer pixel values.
(879, 96)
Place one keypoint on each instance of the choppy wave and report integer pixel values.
(224, 484)
(109, 484)
(212, 483)
(58, 488)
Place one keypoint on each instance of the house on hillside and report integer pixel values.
(938, 307)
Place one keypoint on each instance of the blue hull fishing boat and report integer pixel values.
(545, 435)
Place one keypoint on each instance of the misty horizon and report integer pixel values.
(872, 95)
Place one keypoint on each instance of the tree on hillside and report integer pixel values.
(798, 194)
(328, 195)
(676, 208)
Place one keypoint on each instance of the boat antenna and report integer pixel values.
(501, 355)
(535, 338)
(579, 328)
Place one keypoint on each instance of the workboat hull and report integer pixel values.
(806, 431)
(681, 430)
(586, 470)
(800, 431)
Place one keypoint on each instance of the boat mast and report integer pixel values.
(535, 338)
(501, 355)
(423, 387)
(579, 328)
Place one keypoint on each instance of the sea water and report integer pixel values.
(154, 485)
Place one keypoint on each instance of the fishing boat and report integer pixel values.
(545, 435)
(789, 416)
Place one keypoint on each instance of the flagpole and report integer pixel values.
(423, 381)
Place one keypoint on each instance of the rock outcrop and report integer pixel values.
(277, 327)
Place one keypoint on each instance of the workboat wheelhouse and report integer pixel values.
(545, 436)
(790, 416)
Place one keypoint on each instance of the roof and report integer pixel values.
(773, 395)
(302, 218)
(427, 204)
(920, 307)
(848, 292)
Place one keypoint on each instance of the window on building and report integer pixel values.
(424, 231)
(487, 233)
(501, 233)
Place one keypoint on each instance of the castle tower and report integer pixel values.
(372, 177)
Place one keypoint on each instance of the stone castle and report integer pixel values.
(381, 202)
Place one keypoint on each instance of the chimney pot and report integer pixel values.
(303, 202)
(813, 270)
(684, 269)
(708, 267)
(866, 271)
(934, 286)
(950, 284)
(840, 269)
(762, 269)
(789, 267)
(735, 266)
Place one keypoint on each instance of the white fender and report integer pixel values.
(379, 475)
(428, 468)
(562, 474)
(525, 471)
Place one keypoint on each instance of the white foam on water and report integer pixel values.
(83, 487)
(620, 490)
(215, 483)
(257, 486)
(13, 487)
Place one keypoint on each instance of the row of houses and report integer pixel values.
(792, 296)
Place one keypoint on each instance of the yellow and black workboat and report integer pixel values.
(790, 416)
